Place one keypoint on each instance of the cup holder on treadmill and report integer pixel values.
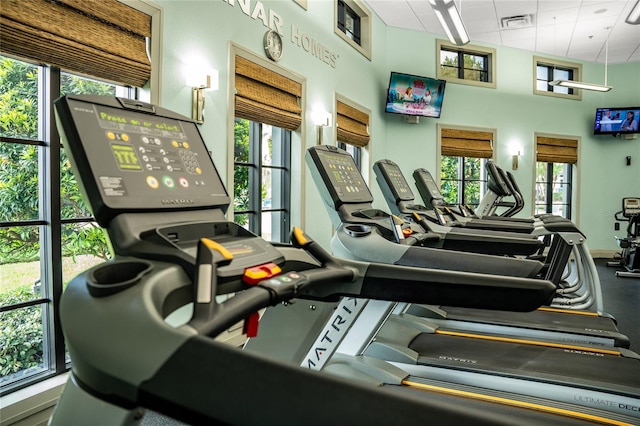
(113, 277)
(357, 230)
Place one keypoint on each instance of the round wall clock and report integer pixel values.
(273, 45)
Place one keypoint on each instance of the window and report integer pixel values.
(352, 128)
(463, 154)
(261, 184)
(472, 65)
(555, 156)
(553, 189)
(353, 25)
(546, 70)
(348, 21)
(47, 235)
(462, 179)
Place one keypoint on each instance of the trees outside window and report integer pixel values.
(47, 233)
(553, 189)
(261, 184)
(462, 180)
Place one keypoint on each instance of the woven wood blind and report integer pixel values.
(556, 150)
(352, 125)
(267, 97)
(100, 38)
(466, 143)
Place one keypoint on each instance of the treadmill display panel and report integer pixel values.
(139, 161)
(426, 178)
(345, 178)
(396, 181)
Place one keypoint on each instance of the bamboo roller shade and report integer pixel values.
(466, 143)
(100, 38)
(352, 125)
(556, 150)
(265, 96)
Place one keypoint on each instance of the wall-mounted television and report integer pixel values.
(414, 95)
(612, 121)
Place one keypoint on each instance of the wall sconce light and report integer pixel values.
(200, 80)
(451, 22)
(321, 119)
(515, 153)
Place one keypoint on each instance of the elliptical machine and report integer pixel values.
(629, 261)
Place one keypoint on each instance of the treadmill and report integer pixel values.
(174, 247)
(590, 377)
(567, 325)
(581, 285)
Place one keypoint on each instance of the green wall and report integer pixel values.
(206, 29)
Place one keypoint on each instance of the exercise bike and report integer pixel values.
(629, 260)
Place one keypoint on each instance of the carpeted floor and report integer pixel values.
(622, 300)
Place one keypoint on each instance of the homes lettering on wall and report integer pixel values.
(270, 19)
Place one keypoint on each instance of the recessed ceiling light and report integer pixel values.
(599, 11)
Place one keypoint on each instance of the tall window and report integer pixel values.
(472, 65)
(47, 235)
(262, 164)
(555, 157)
(462, 179)
(553, 189)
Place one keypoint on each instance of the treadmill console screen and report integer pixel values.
(395, 180)
(144, 159)
(346, 183)
(423, 177)
(495, 181)
(630, 206)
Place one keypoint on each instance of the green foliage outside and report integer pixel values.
(474, 68)
(240, 172)
(21, 330)
(450, 180)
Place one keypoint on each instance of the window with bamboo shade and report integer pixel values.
(104, 39)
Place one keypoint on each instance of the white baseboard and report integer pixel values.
(33, 405)
(603, 254)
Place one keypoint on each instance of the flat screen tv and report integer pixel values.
(611, 121)
(414, 95)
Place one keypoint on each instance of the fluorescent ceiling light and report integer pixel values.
(634, 16)
(451, 22)
(581, 85)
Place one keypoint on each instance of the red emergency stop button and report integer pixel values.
(259, 273)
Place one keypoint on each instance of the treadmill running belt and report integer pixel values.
(545, 320)
(563, 366)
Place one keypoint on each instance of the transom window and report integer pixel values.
(546, 70)
(464, 65)
(348, 21)
(471, 65)
(352, 23)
